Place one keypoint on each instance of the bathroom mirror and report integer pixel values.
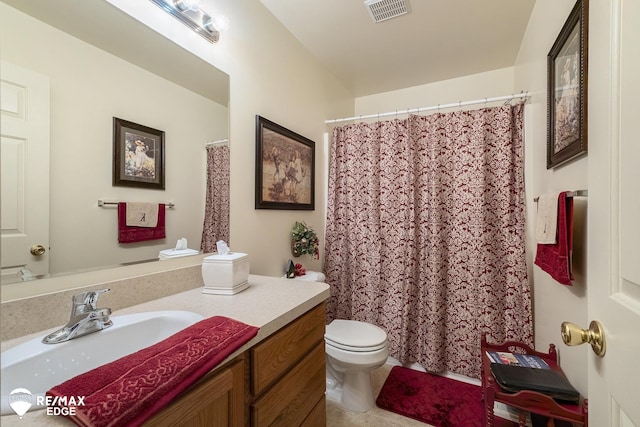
(101, 63)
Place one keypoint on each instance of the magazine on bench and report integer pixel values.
(517, 359)
(514, 378)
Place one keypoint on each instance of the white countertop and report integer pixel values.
(269, 303)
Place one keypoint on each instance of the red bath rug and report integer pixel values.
(433, 399)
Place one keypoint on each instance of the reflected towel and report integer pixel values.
(556, 259)
(547, 218)
(142, 214)
(128, 234)
(130, 390)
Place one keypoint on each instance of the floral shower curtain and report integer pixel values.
(425, 233)
(216, 215)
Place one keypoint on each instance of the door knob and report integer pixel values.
(37, 250)
(572, 334)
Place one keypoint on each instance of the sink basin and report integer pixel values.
(37, 367)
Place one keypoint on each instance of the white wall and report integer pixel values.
(88, 88)
(475, 86)
(553, 302)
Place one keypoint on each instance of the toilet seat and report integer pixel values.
(356, 336)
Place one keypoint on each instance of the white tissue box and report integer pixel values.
(225, 274)
(176, 253)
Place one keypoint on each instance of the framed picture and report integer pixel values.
(567, 89)
(138, 155)
(285, 168)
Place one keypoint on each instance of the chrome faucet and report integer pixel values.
(85, 319)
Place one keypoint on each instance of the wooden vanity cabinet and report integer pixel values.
(288, 378)
(278, 382)
(217, 399)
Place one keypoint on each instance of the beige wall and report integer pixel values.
(553, 302)
(475, 86)
(88, 88)
(272, 75)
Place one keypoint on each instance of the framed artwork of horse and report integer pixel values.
(285, 168)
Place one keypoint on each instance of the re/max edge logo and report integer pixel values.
(21, 400)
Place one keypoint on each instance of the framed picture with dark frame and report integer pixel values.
(567, 89)
(285, 168)
(138, 155)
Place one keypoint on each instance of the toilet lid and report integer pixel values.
(355, 335)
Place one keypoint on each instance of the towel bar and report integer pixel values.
(577, 193)
(102, 203)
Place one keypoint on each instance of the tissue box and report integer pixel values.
(225, 274)
(173, 253)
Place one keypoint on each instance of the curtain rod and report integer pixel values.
(434, 107)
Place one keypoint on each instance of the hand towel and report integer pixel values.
(556, 259)
(127, 234)
(130, 390)
(547, 218)
(142, 214)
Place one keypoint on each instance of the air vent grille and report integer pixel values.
(381, 10)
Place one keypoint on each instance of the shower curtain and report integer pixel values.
(425, 233)
(216, 215)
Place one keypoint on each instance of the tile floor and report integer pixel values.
(376, 417)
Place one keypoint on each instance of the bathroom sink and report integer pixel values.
(37, 367)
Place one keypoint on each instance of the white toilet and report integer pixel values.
(353, 350)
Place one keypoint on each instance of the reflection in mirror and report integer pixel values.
(88, 62)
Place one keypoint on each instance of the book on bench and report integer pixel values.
(513, 379)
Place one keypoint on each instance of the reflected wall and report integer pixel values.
(89, 87)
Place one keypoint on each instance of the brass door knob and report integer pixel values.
(572, 334)
(37, 250)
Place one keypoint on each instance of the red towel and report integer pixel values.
(130, 390)
(128, 234)
(555, 259)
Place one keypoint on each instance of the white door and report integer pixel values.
(614, 211)
(24, 133)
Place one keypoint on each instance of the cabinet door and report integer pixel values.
(217, 400)
(292, 399)
(278, 354)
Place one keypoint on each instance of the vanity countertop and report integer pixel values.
(269, 303)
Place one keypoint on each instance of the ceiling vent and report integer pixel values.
(381, 10)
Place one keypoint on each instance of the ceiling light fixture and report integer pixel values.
(183, 5)
(188, 12)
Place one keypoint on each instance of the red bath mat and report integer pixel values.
(433, 399)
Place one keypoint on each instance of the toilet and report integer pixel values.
(353, 350)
